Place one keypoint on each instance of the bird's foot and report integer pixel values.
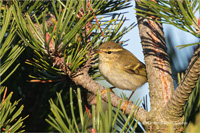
(125, 105)
(106, 90)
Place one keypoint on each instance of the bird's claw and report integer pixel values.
(125, 105)
(106, 90)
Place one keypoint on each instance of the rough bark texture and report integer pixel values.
(157, 62)
(166, 113)
(175, 106)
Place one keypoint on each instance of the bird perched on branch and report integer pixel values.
(121, 68)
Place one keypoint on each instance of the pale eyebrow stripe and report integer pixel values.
(112, 50)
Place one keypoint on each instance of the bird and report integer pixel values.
(121, 68)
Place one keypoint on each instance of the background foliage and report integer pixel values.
(35, 35)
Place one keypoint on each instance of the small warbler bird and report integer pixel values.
(120, 67)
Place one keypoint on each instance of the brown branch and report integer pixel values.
(156, 60)
(174, 109)
(82, 78)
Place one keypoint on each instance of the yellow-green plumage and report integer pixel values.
(120, 67)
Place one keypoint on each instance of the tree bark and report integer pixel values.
(157, 62)
(175, 106)
(166, 104)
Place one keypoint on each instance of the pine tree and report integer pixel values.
(54, 41)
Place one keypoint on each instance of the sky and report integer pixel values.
(177, 36)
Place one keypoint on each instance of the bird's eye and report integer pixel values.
(109, 52)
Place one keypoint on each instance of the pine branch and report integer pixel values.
(175, 106)
(11, 120)
(82, 78)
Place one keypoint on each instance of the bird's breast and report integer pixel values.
(115, 75)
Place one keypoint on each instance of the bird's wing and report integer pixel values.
(138, 69)
(135, 67)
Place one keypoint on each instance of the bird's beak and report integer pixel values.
(97, 51)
